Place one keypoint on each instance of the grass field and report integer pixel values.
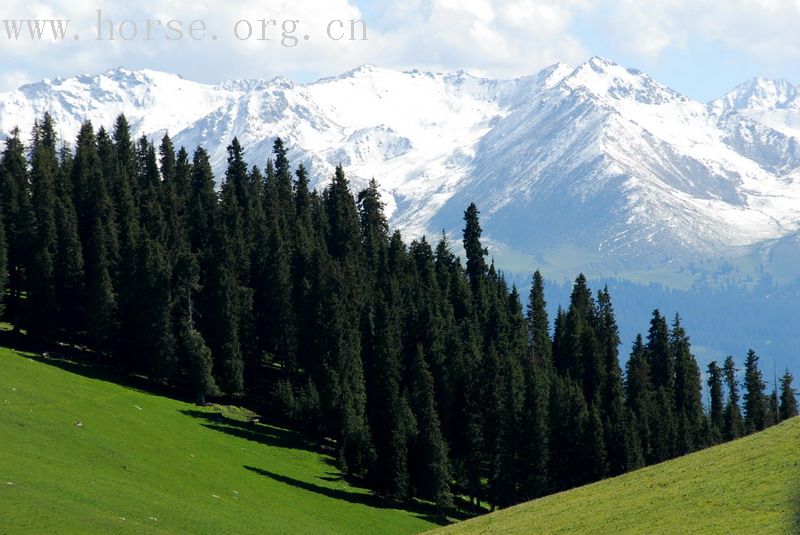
(83, 455)
(749, 486)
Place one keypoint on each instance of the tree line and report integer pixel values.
(425, 374)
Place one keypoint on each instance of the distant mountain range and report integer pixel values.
(596, 167)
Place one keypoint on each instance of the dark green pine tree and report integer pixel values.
(639, 400)
(755, 401)
(734, 427)
(151, 215)
(374, 226)
(98, 235)
(100, 298)
(69, 252)
(537, 370)
(788, 401)
(343, 389)
(569, 428)
(154, 303)
(538, 324)
(476, 256)
(612, 396)
(391, 420)
(193, 353)
(121, 171)
(431, 471)
(283, 193)
(716, 404)
(3, 266)
(773, 408)
(231, 301)
(688, 403)
(18, 221)
(202, 209)
(662, 374)
(173, 197)
(42, 288)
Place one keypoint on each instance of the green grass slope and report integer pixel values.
(81, 455)
(749, 486)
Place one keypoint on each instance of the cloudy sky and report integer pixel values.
(700, 47)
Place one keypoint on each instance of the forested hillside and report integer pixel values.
(423, 374)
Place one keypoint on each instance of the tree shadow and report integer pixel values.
(425, 511)
(261, 433)
(86, 363)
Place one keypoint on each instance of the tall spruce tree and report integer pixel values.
(788, 400)
(538, 324)
(639, 399)
(193, 353)
(734, 427)
(662, 375)
(69, 280)
(3, 266)
(755, 400)
(688, 404)
(612, 397)
(18, 221)
(392, 422)
(432, 472)
(716, 407)
(98, 235)
(43, 323)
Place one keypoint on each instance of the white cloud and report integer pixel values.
(500, 38)
(763, 29)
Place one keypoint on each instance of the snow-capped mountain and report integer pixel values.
(594, 167)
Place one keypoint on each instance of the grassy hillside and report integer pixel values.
(747, 486)
(82, 455)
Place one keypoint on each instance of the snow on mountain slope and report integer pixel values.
(774, 103)
(627, 170)
(597, 159)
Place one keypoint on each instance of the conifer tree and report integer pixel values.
(69, 279)
(430, 452)
(43, 322)
(688, 405)
(121, 171)
(192, 350)
(612, 398)
(788, 401)
(18, 222)
(662, 375)
(476, 254)
(98, 235)
(391, 419)
(537, 370)
(639, 399)
(716, 403)
(538, 324)
(3, 266)
(755, 401)
(569, 417)
(733, 417)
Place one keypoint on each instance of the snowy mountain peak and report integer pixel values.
(760, 93)
(610, 81)
(774, 103)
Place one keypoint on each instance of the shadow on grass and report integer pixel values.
(261, 433)
(425, 511)
(82, 362)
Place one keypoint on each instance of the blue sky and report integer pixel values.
(701, 48)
